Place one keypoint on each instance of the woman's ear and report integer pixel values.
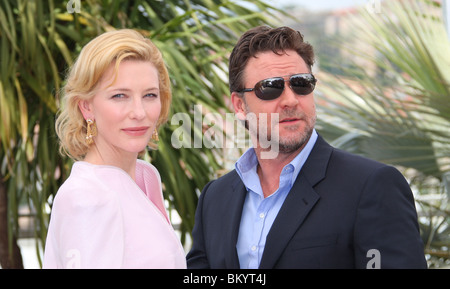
(86, 109)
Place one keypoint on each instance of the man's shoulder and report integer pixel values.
(221, 192)
(327, 158)
(355, 161)
(229, 179)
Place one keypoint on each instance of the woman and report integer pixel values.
(110, 213)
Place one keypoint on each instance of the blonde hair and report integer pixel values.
(81, 82)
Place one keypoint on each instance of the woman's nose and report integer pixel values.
(137, 109)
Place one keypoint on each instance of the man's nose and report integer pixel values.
(288, 98)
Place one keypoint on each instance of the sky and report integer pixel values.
(325, 4)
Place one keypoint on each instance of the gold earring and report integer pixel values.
(155, 136)
(91, 131)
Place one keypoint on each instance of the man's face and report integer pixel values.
(291, 116)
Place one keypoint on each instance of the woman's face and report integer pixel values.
(126, 110)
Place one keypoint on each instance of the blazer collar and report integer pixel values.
(299, 202)
(316, 165)
(239, 194)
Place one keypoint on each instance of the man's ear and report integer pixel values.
(240, 109)
(86, 109)
(238, 103)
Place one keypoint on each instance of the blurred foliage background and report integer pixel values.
(400, 115)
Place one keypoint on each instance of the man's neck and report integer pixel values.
(269, 170)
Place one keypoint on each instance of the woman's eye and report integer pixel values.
(122, 95)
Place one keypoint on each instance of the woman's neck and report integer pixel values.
(124, 161)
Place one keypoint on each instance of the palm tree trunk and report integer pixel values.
(7, 260)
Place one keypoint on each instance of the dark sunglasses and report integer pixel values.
(272, 88)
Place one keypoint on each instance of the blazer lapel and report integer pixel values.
(239, 193)
(299, 202)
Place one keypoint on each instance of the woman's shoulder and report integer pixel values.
(147, 167)
(147, 172)
(83, 188)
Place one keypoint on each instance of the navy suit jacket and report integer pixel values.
(340, 208)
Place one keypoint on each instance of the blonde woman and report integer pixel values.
(110, 213)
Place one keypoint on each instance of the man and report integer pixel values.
(310, 205)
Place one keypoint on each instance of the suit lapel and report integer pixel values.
(235, 213)
(299, 202)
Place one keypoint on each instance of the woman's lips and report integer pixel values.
(136, 131)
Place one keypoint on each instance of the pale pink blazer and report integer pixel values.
(102, 218)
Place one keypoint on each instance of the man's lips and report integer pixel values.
(289, 120)
(136, 131)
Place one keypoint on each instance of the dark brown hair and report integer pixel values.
(262, 39)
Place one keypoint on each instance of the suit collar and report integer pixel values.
(235, 214)
(299, 202)
(316, 165)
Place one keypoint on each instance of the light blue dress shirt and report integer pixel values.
(258, 212)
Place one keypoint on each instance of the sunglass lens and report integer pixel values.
(303, 84)
(269, 89)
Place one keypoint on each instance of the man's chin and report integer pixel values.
(291, 144)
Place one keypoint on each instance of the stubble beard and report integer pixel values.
(289, 144)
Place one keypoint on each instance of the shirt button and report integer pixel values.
(253, 248)
(261, 215)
